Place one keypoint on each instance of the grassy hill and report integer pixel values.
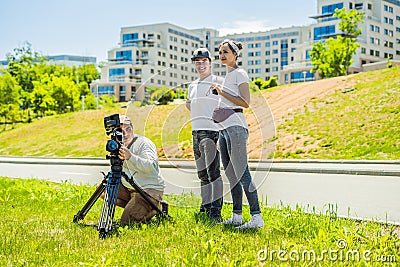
(353, 117)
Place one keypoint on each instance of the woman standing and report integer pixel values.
(235, 96)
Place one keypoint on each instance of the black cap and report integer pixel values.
(201, 53)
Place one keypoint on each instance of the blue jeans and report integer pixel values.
(232, 142)
(208, 171)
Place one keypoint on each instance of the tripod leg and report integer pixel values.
(89, 204)
(109, 204)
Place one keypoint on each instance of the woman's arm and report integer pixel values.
(242, 100)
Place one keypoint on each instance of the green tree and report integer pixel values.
(9, 97)
(65, 93)
(20, 64)
(334, 57)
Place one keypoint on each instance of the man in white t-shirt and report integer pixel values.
(201, 102)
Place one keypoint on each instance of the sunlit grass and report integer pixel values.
(360, 124)
(37, 230)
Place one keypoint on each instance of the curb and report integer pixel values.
(272, 166)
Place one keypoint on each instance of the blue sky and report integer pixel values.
(92, 27)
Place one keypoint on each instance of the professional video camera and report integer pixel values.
(112, 181)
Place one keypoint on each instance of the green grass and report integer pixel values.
(82, 134)
(361, 124)
(37, 230)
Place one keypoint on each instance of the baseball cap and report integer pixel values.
(123, 119)
(201, 53)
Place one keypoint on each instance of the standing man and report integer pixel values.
(201, 102)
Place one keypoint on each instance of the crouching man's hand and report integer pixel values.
(124, 153)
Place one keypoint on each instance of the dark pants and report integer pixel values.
(208, 171)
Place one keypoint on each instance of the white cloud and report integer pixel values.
(241, 26)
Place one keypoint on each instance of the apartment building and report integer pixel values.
(159, 54)
(379, 41)
(151, 55)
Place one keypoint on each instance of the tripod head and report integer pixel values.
(113, 128)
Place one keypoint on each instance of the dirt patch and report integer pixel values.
(282, 103)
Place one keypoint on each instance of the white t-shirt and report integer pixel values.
(203, 102)
(231, 85)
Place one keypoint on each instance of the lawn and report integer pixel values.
(38, 230)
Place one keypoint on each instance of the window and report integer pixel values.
(275, 69)
(372, 40)
(267, 53)
(250, 46)
(250, 54)
(257, 54)
(330, 9)
(293, 41)
(275, 43)
(275, 51)
(377, 53)
(267, 44)
(377, 29)
(257, 45)
(363, 50)
(371, 52)
(369, 6)
(359, 6)
(321, 31)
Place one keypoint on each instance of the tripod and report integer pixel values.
(110, 185)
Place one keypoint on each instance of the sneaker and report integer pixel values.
(236, 219)
(255, 222)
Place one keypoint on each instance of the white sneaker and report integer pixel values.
(236, 219)
(255, 222)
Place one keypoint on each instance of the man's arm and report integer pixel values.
(145, 161)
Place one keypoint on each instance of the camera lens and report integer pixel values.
(215, 92)
(112, 146)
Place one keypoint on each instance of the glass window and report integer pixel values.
(321, 31)
(330, 9)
